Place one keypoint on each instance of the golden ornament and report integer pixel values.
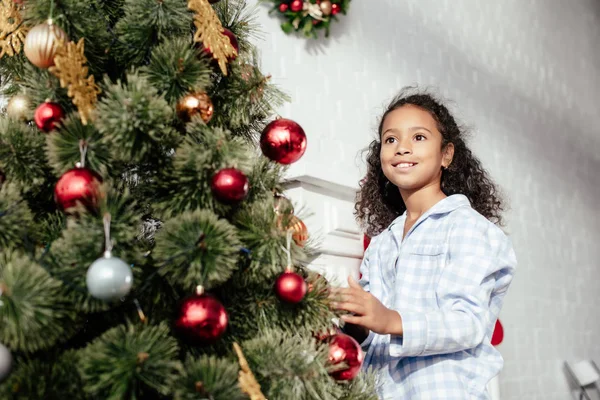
(42, 43)
(299, 231)
(298, 228)
(19, 107)
(326, 7)
(12, 30)
(247, 381)
(195, 104)
(70, 68)
(209, 31)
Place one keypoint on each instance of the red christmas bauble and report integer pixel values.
(290, 287)
(232, 39)
(201, 319)
(366, 242)
(230, 186)
(296, 5)
(344, 349)
(283, 7)
(47, 115)
(335, 9)
(78, 185)
(498, 334)
(283, 141)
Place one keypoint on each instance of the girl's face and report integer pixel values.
(411, 149)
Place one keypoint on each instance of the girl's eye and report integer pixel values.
(419, 137)
(390, 140)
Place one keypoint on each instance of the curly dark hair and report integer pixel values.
(377, 206)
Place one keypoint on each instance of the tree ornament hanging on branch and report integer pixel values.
(79, 185)
(42, 44)
(5, 362)
(234, 43)
(70, 68)
(201, 318)
(12, 29)
(290, 287)
(287, 221)
(109, 278)
(197, 103)
(309, 16)
(344, 350)
(283, 141)
(18, 107)
(47, 115)
(209, 31)
(230, 186)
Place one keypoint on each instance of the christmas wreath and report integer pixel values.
(309, 16)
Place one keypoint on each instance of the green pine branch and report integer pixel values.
(290, 367)
(64, 147)
(35, 313)
(130, 362)
(176, 68)
(208, 377)
(22, 152)
(146, 23)
(197, 248)
(187, 184)
(15, 218)
(50, 377)
(135, 122)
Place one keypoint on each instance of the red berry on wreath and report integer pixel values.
(296, 5)
(283, 7)
(335, 9)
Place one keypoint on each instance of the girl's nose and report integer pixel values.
(403, 147)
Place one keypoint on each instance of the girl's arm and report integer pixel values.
(481, 262)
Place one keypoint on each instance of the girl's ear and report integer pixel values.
(448, 155)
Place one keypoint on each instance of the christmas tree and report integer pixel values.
(146, 248)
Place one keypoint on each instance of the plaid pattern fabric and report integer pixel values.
(447, 279)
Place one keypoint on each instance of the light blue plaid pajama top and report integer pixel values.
(447, 279)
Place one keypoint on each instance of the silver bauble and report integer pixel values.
(109, 278)
(5, 362)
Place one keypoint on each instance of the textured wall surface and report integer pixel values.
(526, 77)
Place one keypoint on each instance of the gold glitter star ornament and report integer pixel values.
(70, 68)
(12, 29)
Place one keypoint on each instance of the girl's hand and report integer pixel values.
(369, 311)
